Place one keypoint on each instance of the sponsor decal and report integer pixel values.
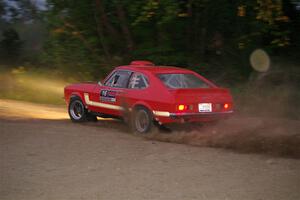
(102, 105)
(115, 107)
(108, 96)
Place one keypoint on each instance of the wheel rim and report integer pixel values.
(142, 121)
(76, 109)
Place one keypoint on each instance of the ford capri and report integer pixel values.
(144, 95)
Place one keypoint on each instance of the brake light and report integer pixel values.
(226, 106)
(182, 107)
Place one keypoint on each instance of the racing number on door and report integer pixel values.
(108, 96)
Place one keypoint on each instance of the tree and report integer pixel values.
(10, 45)
(216, 34)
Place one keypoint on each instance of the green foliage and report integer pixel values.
(41, 86)
(87, 38)
(10, 45)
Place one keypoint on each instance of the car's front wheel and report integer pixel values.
(77, 111)
(142, 120)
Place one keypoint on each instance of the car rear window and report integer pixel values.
(177, 81)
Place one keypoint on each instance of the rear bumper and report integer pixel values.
(193, 117)
(200, 115)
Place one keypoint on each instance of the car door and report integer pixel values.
(108, 98)
(138, 89)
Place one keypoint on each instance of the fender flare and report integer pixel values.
(77, 94)
(142, 103)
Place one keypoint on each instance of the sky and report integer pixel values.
(40, 4)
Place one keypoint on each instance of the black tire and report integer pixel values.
(141, 120)
(77, 110)
(91, 118)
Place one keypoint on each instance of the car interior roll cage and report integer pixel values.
(126, 82)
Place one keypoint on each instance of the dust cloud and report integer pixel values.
(266, 120)
(278, 137)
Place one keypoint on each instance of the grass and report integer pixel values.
(32, 86)
(274, 95)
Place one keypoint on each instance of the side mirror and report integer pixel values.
(100, 83)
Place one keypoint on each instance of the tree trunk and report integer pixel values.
(190, 26)
(124, 25)
(202, 46)
(105, 21)
(100, 32)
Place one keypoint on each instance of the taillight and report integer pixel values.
(226, 105)
(182, 107)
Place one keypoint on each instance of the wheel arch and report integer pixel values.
(78, 95)
(142, 104)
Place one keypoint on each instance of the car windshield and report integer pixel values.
(177, 81)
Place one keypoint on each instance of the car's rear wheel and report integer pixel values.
(142, 120)
(77, 111)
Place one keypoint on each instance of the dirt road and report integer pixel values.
(56, 159)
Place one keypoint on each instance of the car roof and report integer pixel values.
(148, 67)
(154, 69)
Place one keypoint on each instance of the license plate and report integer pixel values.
(205, 107)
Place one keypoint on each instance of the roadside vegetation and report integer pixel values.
(31, 85)
(45, 46)
(274, 94)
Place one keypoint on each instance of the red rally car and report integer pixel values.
(144, 94)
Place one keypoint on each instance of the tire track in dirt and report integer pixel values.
(273, 136)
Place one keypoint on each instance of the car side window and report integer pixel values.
(119, 79)
(138, 81)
